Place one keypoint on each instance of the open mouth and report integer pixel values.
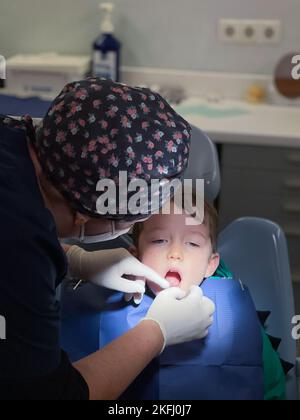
(174, 278)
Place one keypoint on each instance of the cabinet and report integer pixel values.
(261, 181)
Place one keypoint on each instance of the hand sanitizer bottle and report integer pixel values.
(106, 49)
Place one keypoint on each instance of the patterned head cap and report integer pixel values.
(96, 129)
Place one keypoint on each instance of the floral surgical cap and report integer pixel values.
(96, 129)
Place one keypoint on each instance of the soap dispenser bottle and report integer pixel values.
(107, 48)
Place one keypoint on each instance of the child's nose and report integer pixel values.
(175, 253)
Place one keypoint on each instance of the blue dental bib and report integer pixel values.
(226, 365)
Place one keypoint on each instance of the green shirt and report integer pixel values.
(274, 377)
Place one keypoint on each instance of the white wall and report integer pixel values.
(155, 33)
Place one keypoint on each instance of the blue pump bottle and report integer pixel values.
(107, 49)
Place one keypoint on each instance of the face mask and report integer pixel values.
(104, 237)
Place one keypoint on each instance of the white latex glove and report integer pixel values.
(180, 318)
(106, 268)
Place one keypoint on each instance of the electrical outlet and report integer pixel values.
(247, 32)
(269, 32)
(228, 31)
(251, 32)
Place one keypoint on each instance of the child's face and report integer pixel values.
(180, 253)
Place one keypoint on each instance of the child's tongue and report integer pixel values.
(173, 278)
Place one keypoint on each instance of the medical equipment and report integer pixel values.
(109, 236)
(43, 75)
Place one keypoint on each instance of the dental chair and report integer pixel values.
(256, 252)
(254, 249)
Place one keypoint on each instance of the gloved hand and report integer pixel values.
(106, 268)
(180, 318)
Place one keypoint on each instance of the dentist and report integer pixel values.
(94, 130)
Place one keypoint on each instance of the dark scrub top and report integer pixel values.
(32, 265)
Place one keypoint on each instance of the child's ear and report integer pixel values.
(133, 251)
(213, 265)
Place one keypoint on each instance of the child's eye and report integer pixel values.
(159, 241)
(194, 245)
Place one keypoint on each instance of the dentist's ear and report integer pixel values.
(80, 219)
(214, 263)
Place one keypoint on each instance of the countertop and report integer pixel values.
(224, 120)
(234, 121)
